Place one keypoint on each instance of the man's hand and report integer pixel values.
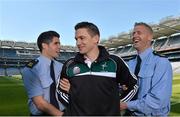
(64, 84)
(123, 106)
(46, 107)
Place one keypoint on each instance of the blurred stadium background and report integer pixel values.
(14, 56)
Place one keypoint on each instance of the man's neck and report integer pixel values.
(139, 51)
(93, 54)
(46, 55)
(142, 50)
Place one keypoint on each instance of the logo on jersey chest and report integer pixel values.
(76, 70)
(104, 66)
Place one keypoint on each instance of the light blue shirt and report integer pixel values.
(37, 81)
(155, 85)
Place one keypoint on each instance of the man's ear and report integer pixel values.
(150, 37)
(96, 37)
(44, 45)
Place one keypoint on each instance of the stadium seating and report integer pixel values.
(126, 48)
(12, 71)
(7, 44)
(32, 46)
(174, 42)
(112, 50)
(2, 72)
(20, 45)
(119, 49)
(169, 46)
(14, 55)
(159, 43)
(68, 49)
(7, 52)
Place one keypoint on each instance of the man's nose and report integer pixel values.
(78, 42)
(59, 46)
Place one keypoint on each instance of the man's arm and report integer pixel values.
(34, 91)
(46, 107)
(64, 85)
(128, 82)
(158, 95)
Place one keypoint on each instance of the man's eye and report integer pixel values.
(82, 38)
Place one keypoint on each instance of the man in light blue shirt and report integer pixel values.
(37, 77)
(154, 77)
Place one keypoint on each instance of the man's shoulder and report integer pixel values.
(156, 53)
(29, 68)
(69, 61)
(58, 62)
(32, 63)
(161, 59)
(132, 57)
(115, 57)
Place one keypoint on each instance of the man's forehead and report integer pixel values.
(81, 32)
(55, 39)
(139, 28)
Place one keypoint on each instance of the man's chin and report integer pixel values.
(135, 46)
(56, 56)
(81, 52)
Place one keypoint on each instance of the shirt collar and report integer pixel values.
(88, 61)
(144, 54)
(45, 59)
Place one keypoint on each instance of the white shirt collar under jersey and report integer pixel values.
(88, 61)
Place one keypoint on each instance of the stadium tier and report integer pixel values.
(14, 55)
(166, 40)
(167, 46)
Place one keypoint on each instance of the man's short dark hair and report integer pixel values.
(92, 28)
(46, 37)
(144, 24)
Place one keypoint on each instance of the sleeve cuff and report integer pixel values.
(132, 105)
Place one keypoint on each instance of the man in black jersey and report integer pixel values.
(99, 81)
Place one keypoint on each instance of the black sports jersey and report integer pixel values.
(97, 90)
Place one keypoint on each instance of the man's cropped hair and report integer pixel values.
(92, 28)
(46, 37)
(144, 24)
